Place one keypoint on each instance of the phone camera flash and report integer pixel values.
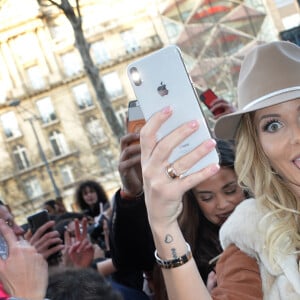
(135, 75)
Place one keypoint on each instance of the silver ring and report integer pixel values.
(171, 172)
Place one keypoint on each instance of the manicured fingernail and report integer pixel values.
(214, 168)
(210, 143)
(193, 124)
(167, 110)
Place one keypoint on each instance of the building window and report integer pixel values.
(130, 43)
(99, 52)
(122, 116)
(60, 30)
(82, 96)
(173, 29)
(106, 161)
(10, 125)
(95, 131)
(20, 155)
(32, 188)
(36, 78)
(3, 91)
(291, 21)
(71, 63)
(113, 85)
(282, 3)
(58, 143)
(46, 110)
(66, 174)
(26, 47)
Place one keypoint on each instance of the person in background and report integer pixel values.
(52, 208)
(61, 206)
(261, 237)
(45, 243)
(89, 196)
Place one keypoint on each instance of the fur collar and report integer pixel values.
(242, 229)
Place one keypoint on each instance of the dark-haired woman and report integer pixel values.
(89, 196)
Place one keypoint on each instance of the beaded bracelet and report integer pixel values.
(176, 262)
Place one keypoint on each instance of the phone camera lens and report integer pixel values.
(135, 75)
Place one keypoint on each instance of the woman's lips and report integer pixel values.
(297, 162)
(225, 215)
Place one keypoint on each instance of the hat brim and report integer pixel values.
(226, 127)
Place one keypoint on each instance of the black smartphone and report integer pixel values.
(37, 220)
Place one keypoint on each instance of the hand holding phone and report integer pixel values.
(160, 80)
(37, 220)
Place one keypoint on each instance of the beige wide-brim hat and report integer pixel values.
(269, 75)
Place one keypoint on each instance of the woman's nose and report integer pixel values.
(221, 202)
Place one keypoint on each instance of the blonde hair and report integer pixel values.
(255, 172)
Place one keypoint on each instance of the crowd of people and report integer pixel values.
(229, 231)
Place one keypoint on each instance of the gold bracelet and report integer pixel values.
(176, 262)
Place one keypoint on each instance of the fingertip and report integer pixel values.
(214, 168)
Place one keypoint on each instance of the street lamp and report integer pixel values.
(43, 157)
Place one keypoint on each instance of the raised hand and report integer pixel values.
(78, 251)
(46, 243)
(130, 165)
(24, 273)
(163, 194)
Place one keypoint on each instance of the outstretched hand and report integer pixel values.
(24, 273)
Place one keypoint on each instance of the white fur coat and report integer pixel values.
(280, 281)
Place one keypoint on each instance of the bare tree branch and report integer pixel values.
(51, 2)
(91, 69)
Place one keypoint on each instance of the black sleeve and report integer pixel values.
(131, 241)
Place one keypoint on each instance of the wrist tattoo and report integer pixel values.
(168, 239)
(174, 254)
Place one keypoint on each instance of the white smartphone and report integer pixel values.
(161, 79)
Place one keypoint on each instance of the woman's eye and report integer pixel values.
(272, 126)
(206, 197)
(230, 192)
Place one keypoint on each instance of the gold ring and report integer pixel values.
(171, 172)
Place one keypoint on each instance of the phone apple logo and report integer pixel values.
(162, 89)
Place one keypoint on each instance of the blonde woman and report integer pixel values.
(264, 230)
